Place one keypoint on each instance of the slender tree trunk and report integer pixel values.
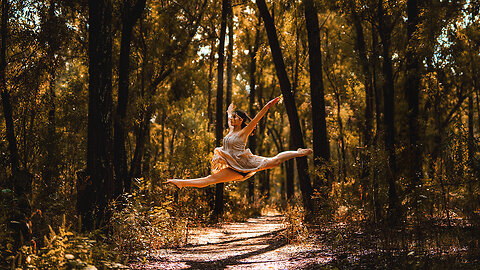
(412, 85)
(342, 168)
(361, 49)
(389, 112)
(295, 129)
(220, 112)
(228, 93)
(290, 164)
(130, 15)
(377, 208)
(342, 163)
(321, 147)
(470, 137)
(296, 67)
(143, 127)
(473, 202)
(260, 133)
(252, 143)
(20, 181)
(209, 83)
(290, 174)
(7, 106)
(50, 169)
(96, 188)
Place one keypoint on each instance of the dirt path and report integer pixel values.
(257, 243)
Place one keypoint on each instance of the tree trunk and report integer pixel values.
(260, 133)
(290, 164)
(220, 112)
(342, 167)
(228, 93)
(252, 143)
(7, 106)
(50, 168)
(321, 147)
(130, 15)
(472, 203)
(412, 84)
(389, 111)
(96, 188)
(295, 129)
(290, 174)
(360, 46)
(20, 181)
(377, 208)
(209, 83)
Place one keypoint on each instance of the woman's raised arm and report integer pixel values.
(251, 126)
(229, 114)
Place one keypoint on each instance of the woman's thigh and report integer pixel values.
(225, 175)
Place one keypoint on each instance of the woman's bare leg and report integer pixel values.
(225, 175)
(284, 156)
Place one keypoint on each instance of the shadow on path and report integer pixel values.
(270, 234)
(273, 244)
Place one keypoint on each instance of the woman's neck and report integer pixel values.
(236, 129)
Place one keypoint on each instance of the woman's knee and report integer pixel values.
(274, 162)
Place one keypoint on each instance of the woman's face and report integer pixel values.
(235, 120)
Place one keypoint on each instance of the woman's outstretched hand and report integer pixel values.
(272, 102)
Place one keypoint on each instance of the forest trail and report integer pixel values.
(257, 243)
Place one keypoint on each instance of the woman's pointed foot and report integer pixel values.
(304, 152)
(176, 182)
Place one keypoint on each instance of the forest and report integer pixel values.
(103, 101)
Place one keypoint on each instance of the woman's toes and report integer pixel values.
(305, 152)
(175, 182)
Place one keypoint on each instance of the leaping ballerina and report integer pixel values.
(234, 162)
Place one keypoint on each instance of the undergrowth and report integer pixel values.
(296, 230)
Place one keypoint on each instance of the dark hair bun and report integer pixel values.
(244, 116)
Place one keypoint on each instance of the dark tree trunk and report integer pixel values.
(377, 211)
(290, 164)
(321, 147)
(412, 84)
(228, 92)
(50, 169)
(367, 74)
(96, 187)
(220, 112)
(361, 49)
(389, 112)
(260, 133)
(130, 15)
(7, 106)
(342, 167)
(264, 185)
(290, 174)
(472, 202)
(139, 129)
(20, 181)
(252, 143)
(209, 83)
(470, 137)
(295, 129)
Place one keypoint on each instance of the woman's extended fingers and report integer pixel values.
(273, 101)
(230, 109)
